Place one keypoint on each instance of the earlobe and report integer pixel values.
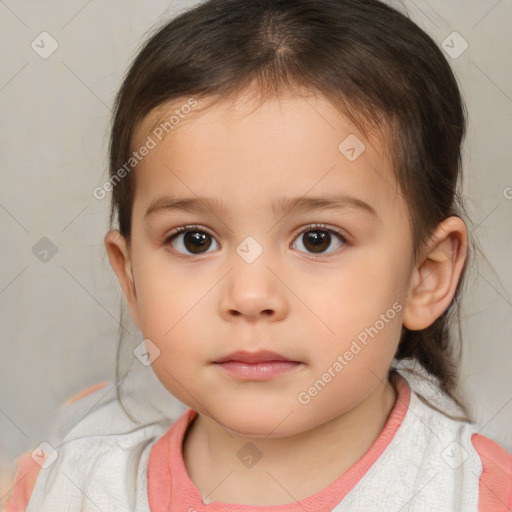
(118, 251)
(437, 274)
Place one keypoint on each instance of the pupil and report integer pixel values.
(320, 240)
(197, 241)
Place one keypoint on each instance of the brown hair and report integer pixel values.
(370, 61)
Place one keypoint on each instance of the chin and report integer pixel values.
(268, 426)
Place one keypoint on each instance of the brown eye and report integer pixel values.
(196, 242)
(316, 239)
(190, 241)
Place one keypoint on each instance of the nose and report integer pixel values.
(253, 291)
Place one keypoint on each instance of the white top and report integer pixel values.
(429, 465)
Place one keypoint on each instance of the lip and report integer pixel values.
(256, 366)
(262, 356)
(258, 371)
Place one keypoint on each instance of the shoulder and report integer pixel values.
(471, 468)
(96, 441)
(495, 481)
(30, 463)
(100, 413)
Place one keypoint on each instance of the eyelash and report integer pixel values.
(311, 227)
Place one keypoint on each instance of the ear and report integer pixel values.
(118, 251)
(435, 277)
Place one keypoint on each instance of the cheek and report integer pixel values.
(164, 294)
(364, 285)
(361, 308)
(172, 304)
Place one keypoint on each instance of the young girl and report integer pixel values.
(290, 246)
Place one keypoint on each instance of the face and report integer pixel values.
(322, 286)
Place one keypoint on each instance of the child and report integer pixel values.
(290, 246)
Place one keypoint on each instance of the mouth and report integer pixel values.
(256, 366)
(263, 356)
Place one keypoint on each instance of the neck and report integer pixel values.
(210, 455)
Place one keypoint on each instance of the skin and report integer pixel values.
(304, 305)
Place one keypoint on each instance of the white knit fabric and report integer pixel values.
(103, 454)
(430, 464)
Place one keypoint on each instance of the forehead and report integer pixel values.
(251, 150)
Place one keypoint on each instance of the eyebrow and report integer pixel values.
(279, 206)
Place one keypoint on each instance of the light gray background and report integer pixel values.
(59, 319)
